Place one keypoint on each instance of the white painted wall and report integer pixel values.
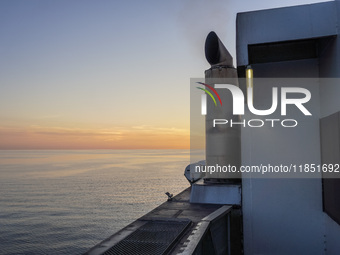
(283, 215)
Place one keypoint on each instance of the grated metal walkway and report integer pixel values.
(155, 237)
(164, 230)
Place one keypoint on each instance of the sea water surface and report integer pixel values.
(65, 202)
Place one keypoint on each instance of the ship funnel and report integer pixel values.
(223, 142)
(215, 52)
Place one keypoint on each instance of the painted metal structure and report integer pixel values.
(285, 215)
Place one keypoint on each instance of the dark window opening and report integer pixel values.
(330, 154)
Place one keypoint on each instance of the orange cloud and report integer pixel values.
(139, 137)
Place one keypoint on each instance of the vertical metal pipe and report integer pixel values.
(223, 143)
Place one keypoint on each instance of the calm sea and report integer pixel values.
(65, 202)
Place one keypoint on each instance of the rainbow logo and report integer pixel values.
(209, 93)
(204, 97)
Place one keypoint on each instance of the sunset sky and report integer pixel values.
(106, 74)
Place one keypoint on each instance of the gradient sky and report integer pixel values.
(106, 74)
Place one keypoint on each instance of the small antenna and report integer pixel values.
(169, 196)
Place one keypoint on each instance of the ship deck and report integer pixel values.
(174, 227)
